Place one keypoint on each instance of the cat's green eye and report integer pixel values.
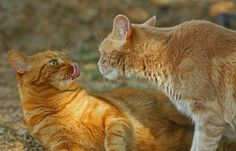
(54, 62)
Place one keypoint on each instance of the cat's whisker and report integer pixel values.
(98, 38)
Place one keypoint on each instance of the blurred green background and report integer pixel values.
(76, 27)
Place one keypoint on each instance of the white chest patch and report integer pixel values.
(112, 75)
(182, 105)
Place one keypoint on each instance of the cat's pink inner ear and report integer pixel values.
(151, 22)
(121, 27)
(20, 62)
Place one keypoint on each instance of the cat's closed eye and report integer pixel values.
(53, 62)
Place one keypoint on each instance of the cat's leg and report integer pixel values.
(119, 135)
(227, 146)
(195, 141)
(65, 145)
(207, 135)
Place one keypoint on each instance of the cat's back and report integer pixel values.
(205, 31)
(204, 26)
(153, 116)
(150, 108)
(200, 38)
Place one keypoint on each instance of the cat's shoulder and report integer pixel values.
(193, 23)
(202, 29)
(201, 25)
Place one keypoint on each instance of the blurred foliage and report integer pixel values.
(30, 25)
(78, 26)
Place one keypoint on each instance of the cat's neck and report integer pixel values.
(39, 102)
(153, 48)
(160, 57)
(45, 96)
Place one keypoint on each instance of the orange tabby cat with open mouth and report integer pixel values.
(65, 117)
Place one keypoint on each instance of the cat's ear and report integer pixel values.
(121, 27)
(20, 62)
(151, 22)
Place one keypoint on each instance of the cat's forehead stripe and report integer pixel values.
(52, 55)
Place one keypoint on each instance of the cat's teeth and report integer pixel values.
(68, 81)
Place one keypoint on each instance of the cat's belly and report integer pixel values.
(230, 118)
(230, 133)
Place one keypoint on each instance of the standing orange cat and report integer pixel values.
(194, 63)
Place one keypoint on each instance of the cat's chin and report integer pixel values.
(68, 81)
(112, 75)
(66, 85)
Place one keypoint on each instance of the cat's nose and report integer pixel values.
(76, 70)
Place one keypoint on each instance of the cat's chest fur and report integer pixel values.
(215, 93)
(176, 97)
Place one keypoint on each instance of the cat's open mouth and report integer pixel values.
(75, 74)
(76, 71)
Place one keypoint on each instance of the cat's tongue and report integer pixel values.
(76, 71)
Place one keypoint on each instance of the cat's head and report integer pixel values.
(48, 68)
(118, 44)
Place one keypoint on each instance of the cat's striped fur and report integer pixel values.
(64, 117)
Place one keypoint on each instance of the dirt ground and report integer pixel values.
(76, 27)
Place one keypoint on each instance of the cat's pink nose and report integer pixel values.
(76, 71)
